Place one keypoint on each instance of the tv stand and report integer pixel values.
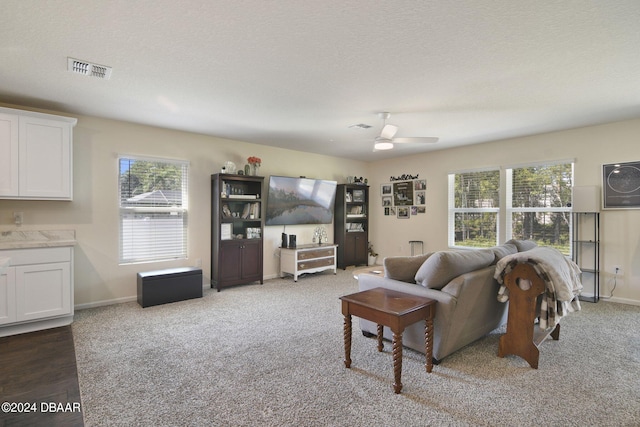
(311, 258)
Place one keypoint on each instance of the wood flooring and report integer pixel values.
(39, 369)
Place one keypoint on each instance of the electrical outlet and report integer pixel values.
(617, 269)
(198, 262)
(18, 217)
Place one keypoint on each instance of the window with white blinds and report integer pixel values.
(153, 209)
(539, 204)
(474, 205)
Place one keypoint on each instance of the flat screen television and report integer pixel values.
(300, 201)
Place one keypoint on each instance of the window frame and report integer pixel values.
(505, 210)
(453, 210)
(124, 212)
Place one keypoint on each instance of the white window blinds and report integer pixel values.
(539, 204)
(474, 203)
(153, 209)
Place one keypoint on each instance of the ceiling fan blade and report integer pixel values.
(424, 139)
(388, 131)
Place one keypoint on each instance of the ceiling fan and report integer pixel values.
(386, 139)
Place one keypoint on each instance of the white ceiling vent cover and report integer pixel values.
(360, 126)
(88, 69)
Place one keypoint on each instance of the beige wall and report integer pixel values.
(94, 211)
(94, 214)
(589, 146)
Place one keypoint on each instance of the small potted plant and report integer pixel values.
(373, 255)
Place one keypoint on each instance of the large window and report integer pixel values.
(474, 204)
(153, 209)
(537, 206)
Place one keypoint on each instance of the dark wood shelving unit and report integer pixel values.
(351, 224)
(237, 230)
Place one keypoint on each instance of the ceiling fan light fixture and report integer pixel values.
(383, 144)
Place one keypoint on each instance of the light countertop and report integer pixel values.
(36, 239)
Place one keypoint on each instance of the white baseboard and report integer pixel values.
(118, 300)
(621, 300)
(106, 302)
(273, 276)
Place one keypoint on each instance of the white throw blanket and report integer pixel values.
(561, 277)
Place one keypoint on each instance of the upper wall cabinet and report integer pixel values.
(36, 155)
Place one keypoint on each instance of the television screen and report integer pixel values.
(300, 201)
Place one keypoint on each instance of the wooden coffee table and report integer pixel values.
(397, 310)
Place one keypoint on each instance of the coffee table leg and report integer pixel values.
(380, 331)
(347, 340)
(397, 362)
(428, 340)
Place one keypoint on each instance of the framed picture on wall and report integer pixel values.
(386, 189)
(403, 193)
(404, 212)
(621, 185)
(387, 201)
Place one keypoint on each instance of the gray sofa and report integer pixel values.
(460, 281)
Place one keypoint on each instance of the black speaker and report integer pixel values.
(284, 240)
(292, 241)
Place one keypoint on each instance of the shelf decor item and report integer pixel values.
(373, 255)
(255, 163)
(229, 167)
(320, 234)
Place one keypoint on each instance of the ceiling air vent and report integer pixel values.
(360, 126)
(88, 69)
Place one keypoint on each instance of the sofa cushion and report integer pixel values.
(522, 245)
(441, 267)
(502, 251)
(403, 268)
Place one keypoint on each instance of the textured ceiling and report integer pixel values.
(296, 74)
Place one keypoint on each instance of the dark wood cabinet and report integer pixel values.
(351, 224)
(237, 230)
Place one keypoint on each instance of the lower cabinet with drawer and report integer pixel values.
(307, 259)
(36, 289)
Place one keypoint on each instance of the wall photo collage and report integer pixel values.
(404, 197)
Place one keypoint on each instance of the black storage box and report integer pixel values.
(170, 285)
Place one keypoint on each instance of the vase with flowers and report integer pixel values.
(255, 163)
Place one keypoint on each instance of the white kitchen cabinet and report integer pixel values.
(7, 296)
(36, 152)
(36, 289)
(9, 155)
